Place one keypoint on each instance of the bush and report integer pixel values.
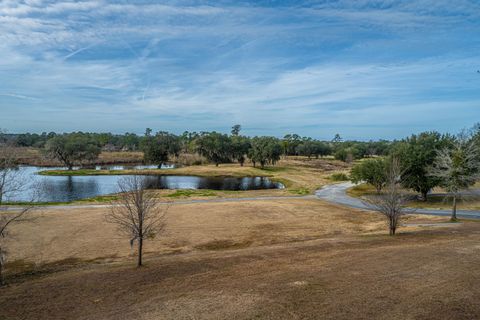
(339, 177)
(191, 159)
(371, 171)
(347, 154)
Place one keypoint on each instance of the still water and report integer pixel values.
(70, 188)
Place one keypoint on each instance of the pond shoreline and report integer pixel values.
(148, 172)
(100, 185)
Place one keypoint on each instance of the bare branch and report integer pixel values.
(11, 183)
(392, 202)
(137, 213)
(458, 168)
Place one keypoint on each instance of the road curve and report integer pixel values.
(337, 193)
(333, 193)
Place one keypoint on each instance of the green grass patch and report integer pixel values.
(470, 202)
(438, 202)
(274, 169)
(97, 199)
(340, 176)
(26, 204)
(361, 190)
(186, 193)
(300, 191)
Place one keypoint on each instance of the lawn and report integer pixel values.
(434, 201)
(286, 259)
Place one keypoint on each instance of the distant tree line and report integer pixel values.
(107, 141)
(83, 147)
(417, 153)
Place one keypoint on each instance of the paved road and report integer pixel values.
(337, 193)
(334, 193)
(84, 206)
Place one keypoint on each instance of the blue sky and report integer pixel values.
(364, 69)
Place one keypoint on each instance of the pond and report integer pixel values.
(116, 167)
(70, 188)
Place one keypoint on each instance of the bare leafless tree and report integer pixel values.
(11, 183)
(8, 218)
(391, 203)
(458, 168)
(137, 213)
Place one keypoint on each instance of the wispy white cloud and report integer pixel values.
(205, 66)
(18, 96)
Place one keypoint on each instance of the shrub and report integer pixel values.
(339, 177)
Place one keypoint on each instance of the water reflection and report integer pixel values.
(215, 183)
(70, 188)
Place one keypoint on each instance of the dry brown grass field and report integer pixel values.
(34, 157)
(290, 258)
(282, 259)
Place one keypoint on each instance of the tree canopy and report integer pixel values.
(371, 171)
(72, 149)
(214, 146)
(457, 168)
(416, 154)
(265, 150)
(158, 148)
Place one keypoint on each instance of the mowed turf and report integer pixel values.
(288, 259)
(469, 200)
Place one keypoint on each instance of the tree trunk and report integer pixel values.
(424, 195)
(392, 230)
(216, 164)
(140, 251)
(454, 209)
(2, 280)
(393, 226)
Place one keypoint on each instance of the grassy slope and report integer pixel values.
(256, 260)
